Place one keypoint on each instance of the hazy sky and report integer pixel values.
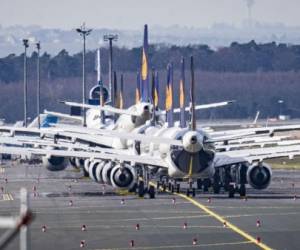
(132, 14)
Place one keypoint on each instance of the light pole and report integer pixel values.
(26, 45)
(110, 38)
(38, 46)
(84, 33)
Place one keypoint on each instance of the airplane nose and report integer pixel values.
(194, 140)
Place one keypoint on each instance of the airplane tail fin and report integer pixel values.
(192, 97)
(138, 88)
(121, 99)
(46, 120)
(169, 96)
(182, 95)
(145, 68)
(256, 118)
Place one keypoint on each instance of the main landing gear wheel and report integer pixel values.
(141, 190)
(216, 188)
(206, 185)
(231, 191)
(199, 184)
(177, 188)
(242, 190)
(151, 192)
(189, 191)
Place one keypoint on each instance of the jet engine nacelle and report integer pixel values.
(123, 176)
(95, 170)
(106, 172)
(79, 163)
(55, 163)
(86, 165)
(259, 176)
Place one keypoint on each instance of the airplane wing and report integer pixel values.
(89, 135)
(133, 159)
(202, 106)
(257, 154)
(117, 134)
(62, 115)
(61, 144)
(257, 144)
(103, 108)
(263, 130)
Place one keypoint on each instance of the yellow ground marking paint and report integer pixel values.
(222, 220)
(181, 246)
(191, 166)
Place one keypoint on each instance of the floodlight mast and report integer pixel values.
(84, 33)
(110, 38)
(38, 98)
(26, 45)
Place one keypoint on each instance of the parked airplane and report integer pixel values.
(182, 154)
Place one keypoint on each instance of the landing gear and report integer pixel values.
(177, 188)
(151, 192)
(141, 189)
(199, 184)
(216, 188)
(231, 191)
(172, 189)
(206, 185)
(242, 190)
(191, 191)
(216, 184)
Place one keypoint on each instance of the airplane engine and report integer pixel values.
(86, 165)
(259, 176)
(95, 170)
(106, 172)
(79, 163)
(72, 162)
(123, 176)
(55, 163)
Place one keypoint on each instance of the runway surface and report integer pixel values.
(212, 221)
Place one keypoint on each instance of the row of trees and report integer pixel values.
(248, 57)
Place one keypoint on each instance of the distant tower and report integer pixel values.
(250, 4)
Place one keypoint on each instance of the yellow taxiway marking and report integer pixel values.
(181, 246)
(228, 224)
(7, 197)
(222, 220)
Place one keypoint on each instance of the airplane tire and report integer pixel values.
(164, 187)
(188, 192)
(216, 188)
(178, 188)
(231, 191)
(194, 192)
(172, 188)
(169, 186)
(242, 190)
(199, 183)
(151, 192)
(141, 190)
